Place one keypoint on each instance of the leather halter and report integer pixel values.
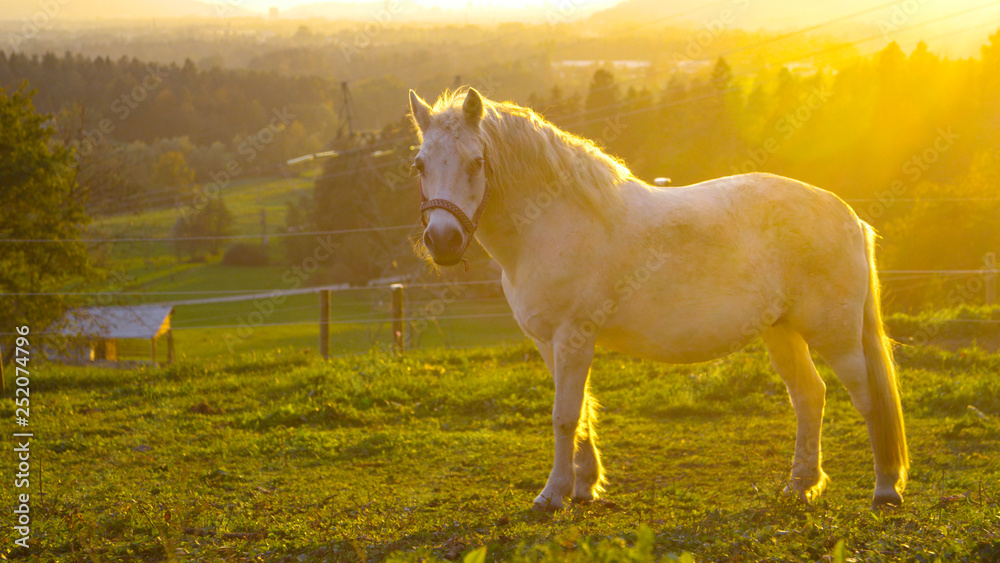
(469, 226)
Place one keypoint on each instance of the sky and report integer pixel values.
(263, 5)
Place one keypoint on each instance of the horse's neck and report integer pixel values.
(499, 235)
(517, 228)
(520, 218)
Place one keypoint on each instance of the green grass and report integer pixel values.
(438, 454)
(245, 198)
(293, 324)
(360, 317)
(237, 454)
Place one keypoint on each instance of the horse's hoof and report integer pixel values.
(888, 499)
(805, 496)
(806, 493)
(544, 504)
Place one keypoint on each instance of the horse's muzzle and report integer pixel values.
(446, 244)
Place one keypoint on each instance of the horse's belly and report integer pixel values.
(682, 335)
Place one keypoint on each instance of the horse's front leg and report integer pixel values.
(570, 367)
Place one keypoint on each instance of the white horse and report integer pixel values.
(593, 255)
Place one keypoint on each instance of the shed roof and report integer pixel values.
(139, 321)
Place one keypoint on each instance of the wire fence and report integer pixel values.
(472, 308)
(422, 302)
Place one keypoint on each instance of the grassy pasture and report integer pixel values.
(438, 454)
(280, 456)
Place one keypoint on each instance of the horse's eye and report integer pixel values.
(475, 166)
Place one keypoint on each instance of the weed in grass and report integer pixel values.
(437, 455)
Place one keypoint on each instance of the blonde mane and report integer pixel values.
(526, 154)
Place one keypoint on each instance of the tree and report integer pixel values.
(297, 213)
(203, 227)
(172, 173)
(39, 201)
(951, 226)
(601, 105)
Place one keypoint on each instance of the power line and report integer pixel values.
(251, 294)
(302, 323)
(225, 237)
(689, 99)
(640, 110)
(748, 47)
(629, 30)
(247, 294)
(798, 59)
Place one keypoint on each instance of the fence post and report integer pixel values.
(991, 278)
(324, 323)
(170, 347)
(397, 317)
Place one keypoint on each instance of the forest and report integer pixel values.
(232, 201)
(907, 138)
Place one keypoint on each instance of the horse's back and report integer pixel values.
(794, 227)
(736, 255)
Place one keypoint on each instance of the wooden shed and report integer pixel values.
(94, 332)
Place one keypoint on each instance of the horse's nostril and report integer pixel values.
(443, 240)
(454, 240)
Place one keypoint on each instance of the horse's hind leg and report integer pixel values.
(790, 357)
(851, 366)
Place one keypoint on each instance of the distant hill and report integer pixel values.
(746, 14)
(408, 12)
(958, 23)
(119, 9)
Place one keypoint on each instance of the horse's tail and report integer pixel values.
(887, 433)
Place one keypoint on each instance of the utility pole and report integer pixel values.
(991, 278)
(346, 111)
(263, 227)
(397, 318)
(324, 323)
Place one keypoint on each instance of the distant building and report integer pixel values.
(622, 69)
(687, 66)
(93, 332)
(272, 12)
(801, 69)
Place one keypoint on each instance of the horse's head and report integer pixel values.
(452, 174)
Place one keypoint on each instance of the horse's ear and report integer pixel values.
(420, 112)
(473, 107)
